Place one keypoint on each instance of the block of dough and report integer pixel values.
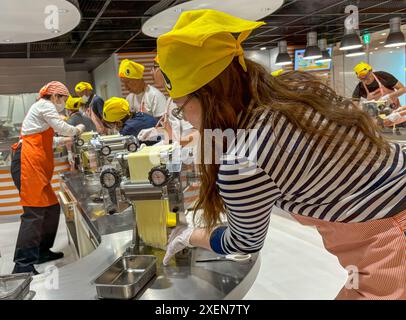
(87, 136)
(140, 163)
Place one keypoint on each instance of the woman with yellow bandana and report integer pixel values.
(297, 146)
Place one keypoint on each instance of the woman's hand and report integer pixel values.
(178, 240)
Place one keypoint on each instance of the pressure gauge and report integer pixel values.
(80, 142)
(110, 178)
(132, 147)
(106, 151)
(159, 176)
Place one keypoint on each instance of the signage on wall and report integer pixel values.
(367, 38)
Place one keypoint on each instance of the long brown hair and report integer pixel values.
(292, 94)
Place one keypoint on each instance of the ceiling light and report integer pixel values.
(312, 50)
(396, 37)
(350, 40)
(325, 55)
(263, 48)
(355, 53)
(283, 58)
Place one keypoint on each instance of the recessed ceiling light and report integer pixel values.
(263, 48)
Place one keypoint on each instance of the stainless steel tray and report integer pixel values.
(126, 277)
(15, 287)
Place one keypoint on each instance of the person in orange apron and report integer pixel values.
(377, 85)
(32, 169)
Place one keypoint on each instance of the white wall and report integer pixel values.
(29, 75)
(106, 75)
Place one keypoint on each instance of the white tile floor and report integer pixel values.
(294, 262)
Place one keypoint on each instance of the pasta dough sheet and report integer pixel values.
(140, 163)
(152, 218)
(87, 136)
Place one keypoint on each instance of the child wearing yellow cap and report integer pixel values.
(292, 143)
(117, 115)
(142, 97)
(75, 116)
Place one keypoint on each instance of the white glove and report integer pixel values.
(386, 98)
(71, 160)
(147, 134)
(81, 128)
(178, 240)
(393, 117)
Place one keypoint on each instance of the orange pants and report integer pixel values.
(374, 253)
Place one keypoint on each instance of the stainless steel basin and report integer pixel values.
(126, 277)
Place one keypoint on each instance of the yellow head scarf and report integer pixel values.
(131, 70)
(82, 86)
(73, 103)
(116, 109)
(362, 69)
(199, 48)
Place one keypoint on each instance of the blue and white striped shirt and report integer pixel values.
(300, 174)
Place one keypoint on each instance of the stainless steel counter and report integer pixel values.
(183, 279)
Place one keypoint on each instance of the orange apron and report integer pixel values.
(37, 167)
(380, 92)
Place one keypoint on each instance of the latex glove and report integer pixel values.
(146, 134)
(178, 240)
(386, 98)
(81, 128)
(71, 160)
(393, 117)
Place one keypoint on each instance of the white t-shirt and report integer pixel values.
(153, 99)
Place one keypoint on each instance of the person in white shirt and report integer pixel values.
(32, 169)
(143, 97)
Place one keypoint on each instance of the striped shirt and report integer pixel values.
(300, 174)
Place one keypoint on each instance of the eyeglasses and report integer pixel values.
(178, 111)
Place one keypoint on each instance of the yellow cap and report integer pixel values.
(362, 69)
(73, 103)
(131, 70)
(116, 109)
(199, 48)
(277, 72)
(82, 86)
